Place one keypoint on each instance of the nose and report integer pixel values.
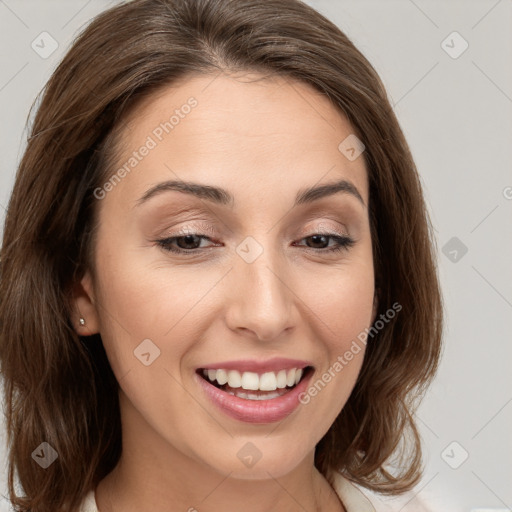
(261, 301)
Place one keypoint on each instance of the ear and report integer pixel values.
(84, 306)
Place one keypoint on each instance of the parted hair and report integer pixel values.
(58, 386)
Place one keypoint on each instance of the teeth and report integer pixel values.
(221, 376)
(268, 382)
(234, 379)
(251, 381)
(281, 379)
(254, 396)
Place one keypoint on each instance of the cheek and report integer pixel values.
(147, 328)
(341, 299)
(344, 304)
(142, 300)
(341, 308)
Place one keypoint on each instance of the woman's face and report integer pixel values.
(224, 164)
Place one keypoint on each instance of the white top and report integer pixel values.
(352, 498)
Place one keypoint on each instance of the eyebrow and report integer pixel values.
(223, 197)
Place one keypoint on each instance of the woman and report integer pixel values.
(218, 285)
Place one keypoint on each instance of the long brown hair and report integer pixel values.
(59, 387)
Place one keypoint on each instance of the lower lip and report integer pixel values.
(255, 411)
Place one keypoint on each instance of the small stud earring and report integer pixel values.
(82, 321)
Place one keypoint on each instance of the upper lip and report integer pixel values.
(258, 366)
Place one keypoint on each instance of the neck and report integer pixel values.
(153, 472)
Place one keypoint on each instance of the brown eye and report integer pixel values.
(191, 243)
(320, 242)
(183, 244)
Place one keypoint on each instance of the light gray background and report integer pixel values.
(456, 114)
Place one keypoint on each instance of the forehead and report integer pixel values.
(243, 129)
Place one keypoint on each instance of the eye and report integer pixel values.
(320, 242)
(191, 243)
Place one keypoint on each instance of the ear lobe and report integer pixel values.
(84, 307)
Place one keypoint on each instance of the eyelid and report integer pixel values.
(211, 233)
(201, 228)
(327, 229)
(205, 228)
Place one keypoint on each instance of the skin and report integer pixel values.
(262, 140)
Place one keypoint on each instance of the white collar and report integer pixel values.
(351, 497)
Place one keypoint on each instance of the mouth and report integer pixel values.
(255, 385)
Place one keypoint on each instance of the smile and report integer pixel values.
(268, 385)
(255, 396)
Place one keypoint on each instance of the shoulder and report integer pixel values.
(89, 503)
(351, 496)
(356, 500)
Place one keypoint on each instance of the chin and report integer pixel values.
(253, 463)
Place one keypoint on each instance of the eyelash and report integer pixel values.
(344, 243)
